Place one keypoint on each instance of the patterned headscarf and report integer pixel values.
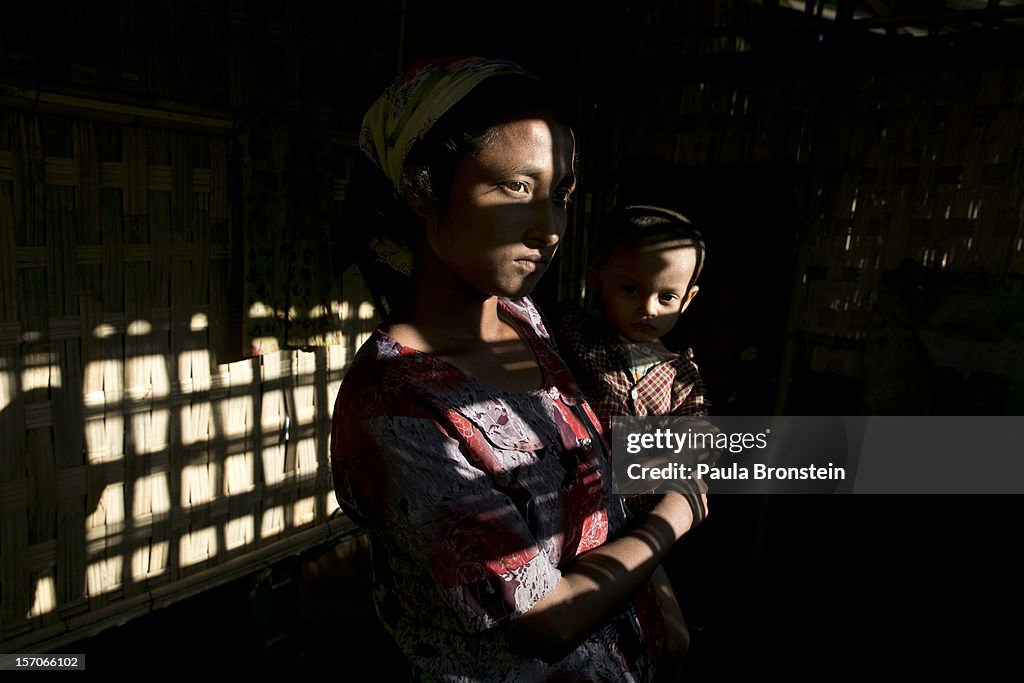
(412, 104)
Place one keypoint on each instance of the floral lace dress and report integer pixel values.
(473, 499)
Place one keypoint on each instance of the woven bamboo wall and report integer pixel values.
(915, 164)
(132, 460)
(288, 82)
(137, 464)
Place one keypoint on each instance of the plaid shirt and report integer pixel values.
(601, 366)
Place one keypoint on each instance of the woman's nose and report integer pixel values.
(547, 225)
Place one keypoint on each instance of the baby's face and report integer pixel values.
(643, 289)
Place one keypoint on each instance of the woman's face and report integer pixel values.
(508, 208)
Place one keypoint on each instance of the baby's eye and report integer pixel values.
(630, 289)
(668, 298)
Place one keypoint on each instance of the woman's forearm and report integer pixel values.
(601, 583)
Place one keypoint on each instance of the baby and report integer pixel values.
(642, 277)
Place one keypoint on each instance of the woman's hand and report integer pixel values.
(677, 637)
(601, 583)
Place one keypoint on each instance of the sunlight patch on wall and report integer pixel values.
(238, 474)
(41, 372)
(273, 464)
(195, 424)
(197, 546)
(104, 575)
(336, 308)
(152, 496)
(258, 309)
(108, 517)
(8, 387)
(150, 431)
(306, 464)
(103, 383)
(194, 376)
(273, 521)
(139, 328)
(304, 511)
(104, 438)
(239, 532)
(145, 378)
(150, 560)
(366, 311)
(103, 331)
(235, 415)
(197, 484)
(44, 598)
(305, 403)
(331, 503)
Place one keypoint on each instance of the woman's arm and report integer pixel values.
(601, 583)
(407, 476)
(677, 637)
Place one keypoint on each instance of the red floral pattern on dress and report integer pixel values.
(473, 498)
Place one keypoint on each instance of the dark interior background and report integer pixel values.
(844, 588)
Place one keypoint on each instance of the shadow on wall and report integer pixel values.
(946, 343)
(137, 470)
(305, 615)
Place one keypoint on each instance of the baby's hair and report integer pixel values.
(642, 225)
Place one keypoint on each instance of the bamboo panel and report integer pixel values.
(119, 264)
(8, 263)
(135, 459)
(902, 165)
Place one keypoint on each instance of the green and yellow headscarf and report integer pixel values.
(411, 105)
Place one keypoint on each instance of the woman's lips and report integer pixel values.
(531, 265)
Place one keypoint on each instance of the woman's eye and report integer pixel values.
(517, 187)
(563, 196)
